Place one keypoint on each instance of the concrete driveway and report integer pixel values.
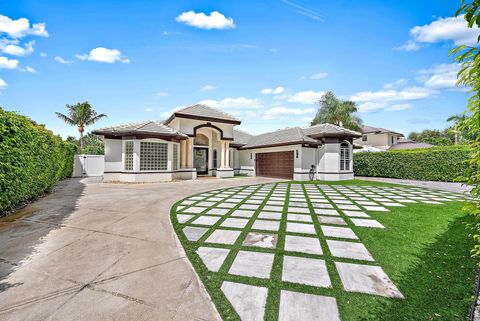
(95, 251)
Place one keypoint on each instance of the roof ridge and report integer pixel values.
(208, 106)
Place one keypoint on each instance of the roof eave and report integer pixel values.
(300, 142)
(137, 132)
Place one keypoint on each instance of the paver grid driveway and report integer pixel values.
(284, 250)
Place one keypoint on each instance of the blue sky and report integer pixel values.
(264, 61)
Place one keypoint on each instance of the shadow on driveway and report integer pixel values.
(24, 229)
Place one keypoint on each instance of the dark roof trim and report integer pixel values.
(138, 135)
(195, 117)
(209, 125)
(334, 135)
(281, 144)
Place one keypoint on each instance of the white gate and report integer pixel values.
(88, 165)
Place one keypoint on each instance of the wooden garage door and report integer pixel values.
(278, 164)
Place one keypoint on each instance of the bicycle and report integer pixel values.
(311, 173)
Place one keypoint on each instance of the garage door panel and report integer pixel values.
(275, 164)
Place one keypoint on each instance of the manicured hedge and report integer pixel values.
(434, 164)
(32, 159)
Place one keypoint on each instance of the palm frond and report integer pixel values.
(65, 118)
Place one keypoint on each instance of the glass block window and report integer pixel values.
(153, 156)
(128, 163)
(345, 157)
(175, 157)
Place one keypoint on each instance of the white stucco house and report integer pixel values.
(201, 140)
(379, 139)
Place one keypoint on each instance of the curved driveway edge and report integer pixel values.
(105, 251)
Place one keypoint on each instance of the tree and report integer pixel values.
(434, 136)
(80, 115)
(469, 75)
(338, 112)
(92, 144)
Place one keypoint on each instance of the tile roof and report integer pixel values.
(280, 137)
(145, 127)
(240, 137)
(204, 111)
(377, 130)
(409, 144)
(329, 130)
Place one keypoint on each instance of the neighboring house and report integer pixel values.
(200, 140)
(377, 137)
(404, 143)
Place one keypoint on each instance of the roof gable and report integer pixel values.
(204, 112)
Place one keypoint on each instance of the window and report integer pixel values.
(175, 157)
(296, 153)
(364, 138)
(128, 163)
(153, 156)
(344, 157)
(393, 139)
(214, 158)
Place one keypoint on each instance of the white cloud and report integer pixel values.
(450, 29)
(305, 97)
(410, 45)
(411, 93)
(13, 49)
(319, 75)
(238, 102)
(63, 61)
(390, 99)
(215, 20)
(43, 54)
(3, 84)
(101, 54)
(443, 76)
(208, 88)
(29, 69)
(21, 27)
(161, 94)
(399, 107)
(148, 110)
(6, 63)
(274, 91)
(281, 112)
(395, 84)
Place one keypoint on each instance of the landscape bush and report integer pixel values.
(444, 163)
(32, 159)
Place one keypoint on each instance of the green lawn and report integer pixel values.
(424, 249)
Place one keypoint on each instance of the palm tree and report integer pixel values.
(458, 120)
(338, 112)
(80, 115)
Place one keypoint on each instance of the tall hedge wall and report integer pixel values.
(433, 164)
(32, 159)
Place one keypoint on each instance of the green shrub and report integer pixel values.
(444, 163)
(32, 159)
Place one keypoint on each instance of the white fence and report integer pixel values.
(88, 165)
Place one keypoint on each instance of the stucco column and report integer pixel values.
(189, 153)
(183, 154)
(222, 154)
(227, 154)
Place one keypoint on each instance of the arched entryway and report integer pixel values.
(201, 148)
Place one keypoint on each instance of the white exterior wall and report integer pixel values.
(381, 140)
(113, 155)
(329, 163)
(114, 163)
(186, 126)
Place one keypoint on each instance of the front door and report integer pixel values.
(200, 160)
